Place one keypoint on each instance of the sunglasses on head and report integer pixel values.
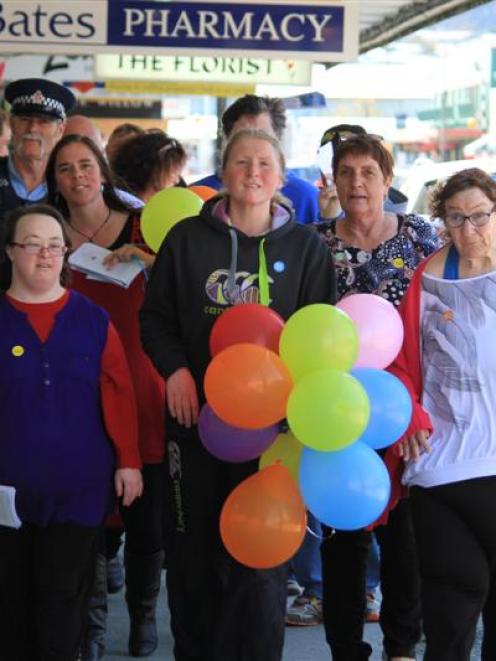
(343, 132)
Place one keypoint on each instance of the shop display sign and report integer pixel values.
(197, 68)
(318, 30)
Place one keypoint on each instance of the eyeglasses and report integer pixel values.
(477, 219)
(34, 248)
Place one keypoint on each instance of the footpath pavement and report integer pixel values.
(301, 643)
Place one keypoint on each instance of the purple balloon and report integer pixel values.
(232, 443)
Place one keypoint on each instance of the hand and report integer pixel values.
(128, 484)
(413, 446)
(182, 398)
(329, 202)
(126, 253)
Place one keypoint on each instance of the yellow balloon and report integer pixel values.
(285, 451)
(328, 410)
(164, 210)
(318, 337)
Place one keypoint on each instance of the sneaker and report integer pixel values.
(294, 588)
(304, 612)
(373, 608)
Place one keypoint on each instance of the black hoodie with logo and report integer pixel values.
(205, 265)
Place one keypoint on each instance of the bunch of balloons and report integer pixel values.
(344, 406)
(323, 372)
(247, 387)
(167, 207)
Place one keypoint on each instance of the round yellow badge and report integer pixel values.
(17, 350)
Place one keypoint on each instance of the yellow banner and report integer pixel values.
(172, 88)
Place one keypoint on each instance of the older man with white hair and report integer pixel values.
(38, 111)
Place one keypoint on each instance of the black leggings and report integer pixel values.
(144, 519)
(455, 526)
(220, 609)
(46, 575)
(344, 570)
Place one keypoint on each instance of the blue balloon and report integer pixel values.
(390, 407)
(348, 489)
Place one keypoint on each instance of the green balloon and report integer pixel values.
(318, 337)
(164, 210)
(328, 410)
(285, 451)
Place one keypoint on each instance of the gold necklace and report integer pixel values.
(90, 237)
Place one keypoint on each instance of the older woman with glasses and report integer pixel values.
(449, 449)
(68, 416)
(375, 252)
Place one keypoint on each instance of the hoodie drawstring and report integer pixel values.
(231, 277)
(263, 276)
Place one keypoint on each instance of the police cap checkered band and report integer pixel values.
(37, 96)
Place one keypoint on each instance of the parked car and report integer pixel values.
(419, 181)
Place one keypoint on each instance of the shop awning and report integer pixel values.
(383, 21)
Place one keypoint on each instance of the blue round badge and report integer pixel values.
(279, 267)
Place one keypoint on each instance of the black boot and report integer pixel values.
(115, 565)
(115, 575)
(93, 646)
(142, 588)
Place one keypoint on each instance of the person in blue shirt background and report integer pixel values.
(268, 114)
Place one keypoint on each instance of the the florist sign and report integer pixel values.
(317, 31)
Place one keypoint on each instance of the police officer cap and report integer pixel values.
(37, 96)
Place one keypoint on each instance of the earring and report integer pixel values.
(102, 187)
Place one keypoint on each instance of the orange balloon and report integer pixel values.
(248, 386)
(205, 192)
(263, 521)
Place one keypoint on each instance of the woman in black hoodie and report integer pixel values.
(244, 247)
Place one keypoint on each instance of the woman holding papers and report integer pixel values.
(80, 184)
(66, 398)
(244, 246)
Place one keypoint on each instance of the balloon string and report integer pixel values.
(321, 537)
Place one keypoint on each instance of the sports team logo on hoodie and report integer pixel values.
(246, 289)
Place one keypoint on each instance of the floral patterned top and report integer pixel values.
(387, 269)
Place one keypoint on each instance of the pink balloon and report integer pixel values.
(379, 326)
